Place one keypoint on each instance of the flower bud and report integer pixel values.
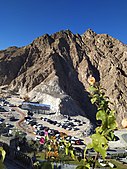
(91, 80)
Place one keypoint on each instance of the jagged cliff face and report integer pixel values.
(54, 69)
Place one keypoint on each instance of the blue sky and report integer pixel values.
(21, 21)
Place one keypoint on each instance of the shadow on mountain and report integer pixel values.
(70, 84)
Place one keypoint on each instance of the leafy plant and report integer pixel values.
(99, 140)
(2, 157)
(104, 132)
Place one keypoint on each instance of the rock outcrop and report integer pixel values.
(54, 69)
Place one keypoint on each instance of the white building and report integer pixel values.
(36, 107)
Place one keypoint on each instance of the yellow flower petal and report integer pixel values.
(91, 80)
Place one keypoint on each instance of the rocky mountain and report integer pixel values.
(54, 69)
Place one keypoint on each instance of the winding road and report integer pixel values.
(20, 123)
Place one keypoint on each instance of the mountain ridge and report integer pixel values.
(59, 65)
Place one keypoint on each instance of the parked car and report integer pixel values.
(45, 119)
(58, 124)
(75, 129)
(9, 125)
(12, 118)
(2, 119)
(41, 133)
(28, 117)
(32, 122)
(30, 113)
(69, 128)
(37, 137)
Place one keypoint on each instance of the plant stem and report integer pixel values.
(95, 159)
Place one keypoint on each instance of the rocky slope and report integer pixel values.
(54, 69)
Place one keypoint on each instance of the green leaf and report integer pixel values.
(3, 153)
(72, 154)
(101, 115)
(99, 129)
(66, 150)
(87, 166)
(103, 103)
(92, 89)
(99, 144)
(89, 146)
(84, 166)
(112, 121)
(81, 167)
(96, 95)
(93, 100)
(112, 136)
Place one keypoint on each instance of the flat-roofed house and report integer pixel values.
(36, 107)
